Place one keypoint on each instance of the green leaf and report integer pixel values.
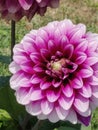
(86, 128)
(4, 118)
(4, 115)
(6, 122)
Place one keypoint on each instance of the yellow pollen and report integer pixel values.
(56, 66)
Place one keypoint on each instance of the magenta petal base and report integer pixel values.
(55, 72)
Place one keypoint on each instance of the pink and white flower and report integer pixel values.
(16, 9)
(55, 72)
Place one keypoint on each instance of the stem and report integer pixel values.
(38, 123)
(12, 37)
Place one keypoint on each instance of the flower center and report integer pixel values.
(60, 68)
(57, 65)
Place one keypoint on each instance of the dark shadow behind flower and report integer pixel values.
(55, 72)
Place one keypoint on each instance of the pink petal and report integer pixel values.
(45, 54)
(81, 103)
(38, 68)
(94, 81)
(35, 79)
(95, 91)
(51, 46)
(35, 57)
(52, 96)
(28, 44)
(34, 108)
(81, 57)
(43, 34)
(57, 35)
(93, 44)
(50, 29)
(67, 90)
(20, 55)
(21, 59)
(94, 102)
(23, 96)
(86, 113)
(53, 117)
(65, 102)
(65, 26)
(56, 83)
(46, 107)
(45, 84)
(72, 117)
(86, 72)
(27, 67)
(14, 67)
(77, 82)
(63, 41)
(77, 33)
(91, 60)
(36, 95)
(86, 91)
(62, 114)
(82, 46)
(40, 43)
(19, 79)
(68, 51)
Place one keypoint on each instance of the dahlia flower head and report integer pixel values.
(55, 72)
(16, 9)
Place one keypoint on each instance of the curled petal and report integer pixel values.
(62, 114)
(14, 67)
(77, 82)
(53, 117)
(81, 103)
(86, 91)
(52, 96)
(34, 108)
(23, 95)
(35, 79)
(65, 102)
(91, 60)
(45, 84)
(36, 95)
(86, 72)
(82, 46)
(19, 79)
(94, 81)
(67, 90)
(46, 107)
(77, 33)
(80, 58)
(72, 117)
